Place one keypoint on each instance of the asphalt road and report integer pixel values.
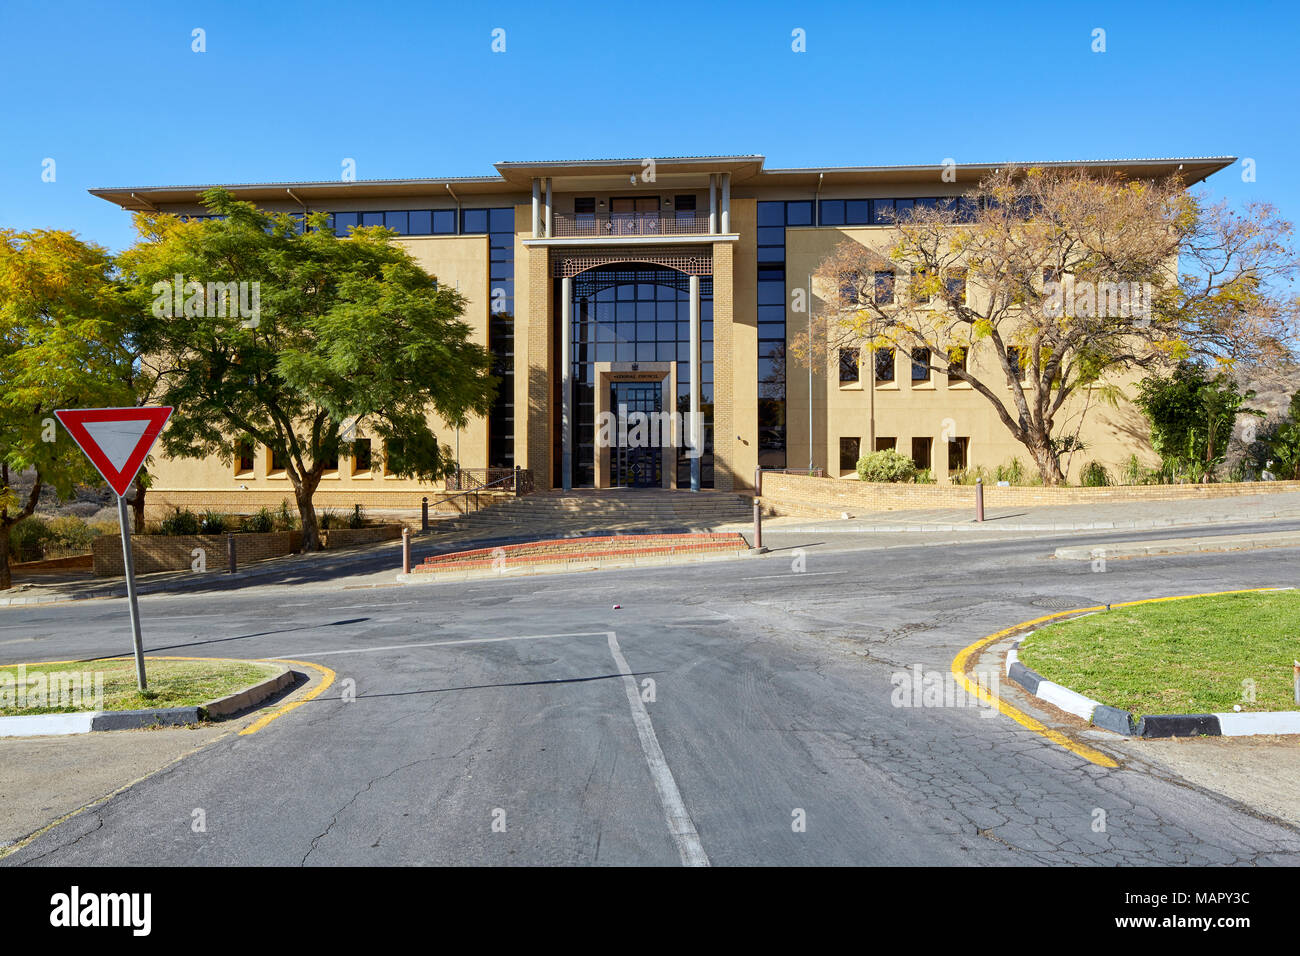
(499, 722)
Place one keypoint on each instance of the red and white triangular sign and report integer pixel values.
(116, 440)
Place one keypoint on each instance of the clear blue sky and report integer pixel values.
(286, 90)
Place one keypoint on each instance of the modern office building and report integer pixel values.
(659, 285)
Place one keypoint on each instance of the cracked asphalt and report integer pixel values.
(506, 736)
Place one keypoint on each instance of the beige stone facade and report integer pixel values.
(643, 227)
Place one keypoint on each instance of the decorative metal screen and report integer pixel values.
(690, 262)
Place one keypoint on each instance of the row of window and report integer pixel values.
(851, 365)
(418, 222)
(277, 462)
(922, 452)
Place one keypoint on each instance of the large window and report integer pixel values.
(499, 224)
(405, 222)
(637, 314)
(773, 217)
(884, 287)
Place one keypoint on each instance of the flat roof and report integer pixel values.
(603, 174)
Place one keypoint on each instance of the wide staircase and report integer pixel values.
(558, 514)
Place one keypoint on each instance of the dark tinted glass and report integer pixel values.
(474, 220)
(857, 212)
(421, 222)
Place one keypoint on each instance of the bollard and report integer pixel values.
(406, 550)
(230, 552)
(758, 512)
(424, 514)
(979, 499)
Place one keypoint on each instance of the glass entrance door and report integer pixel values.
(631, 466)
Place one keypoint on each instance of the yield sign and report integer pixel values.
(116, 440)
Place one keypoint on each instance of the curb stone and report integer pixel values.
(1149, 726)
(51, 725)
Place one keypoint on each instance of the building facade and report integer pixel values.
(656, 286)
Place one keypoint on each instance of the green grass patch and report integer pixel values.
(49, 688)
(1178, 657)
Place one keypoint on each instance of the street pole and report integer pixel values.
(811, 352)
(128, 561)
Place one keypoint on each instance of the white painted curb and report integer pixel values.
(46, 725)
(1067, 700)
(1246, 725)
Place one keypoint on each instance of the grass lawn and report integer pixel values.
(1177, 657)
(171, 684)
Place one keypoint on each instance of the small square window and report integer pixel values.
(886, 443)
(884, 365)
(920, 365)
(849, 366)
(850, 453)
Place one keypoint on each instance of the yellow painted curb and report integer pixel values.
(327, 678)
(962, 661)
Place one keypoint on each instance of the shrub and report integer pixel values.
(1094, 475)
(70, 535)
(27, 539)
(887, 465)
(329, 518)
(215, 523)
(285, 520)
(968, 476)
(180, 522)
(358, 517)
(260, 522)
(925, 477)
(1012, 472)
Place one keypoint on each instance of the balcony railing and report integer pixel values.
(615, 224)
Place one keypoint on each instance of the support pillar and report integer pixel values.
(726, 202)
(713, 203)
(537, 207)
(549, 208)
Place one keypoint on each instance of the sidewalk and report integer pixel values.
(1112, 516)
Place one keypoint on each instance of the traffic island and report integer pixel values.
(74, 697)
(1217, 665)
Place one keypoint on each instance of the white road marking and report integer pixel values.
(353, 607)
(680, 826)
(792, 574)
(313, 654)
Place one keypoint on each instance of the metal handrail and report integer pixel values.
(475, 491)
(665, 222)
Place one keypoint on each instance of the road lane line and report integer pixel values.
(468, 640)
(794, 574)
(679, 821)
(962, 661)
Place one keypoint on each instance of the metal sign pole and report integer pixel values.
(128, 563)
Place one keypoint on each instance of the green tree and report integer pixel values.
(1043, 282)
(1283, 442)
(329, 333)
(61, 346)
(1191, 415)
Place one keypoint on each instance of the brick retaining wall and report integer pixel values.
(156, 552)
(802, 495)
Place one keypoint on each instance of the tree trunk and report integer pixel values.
(137, 503)
(1048, 462)
(6, 577)
(307, 513)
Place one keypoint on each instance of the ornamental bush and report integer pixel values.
(887, 465)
